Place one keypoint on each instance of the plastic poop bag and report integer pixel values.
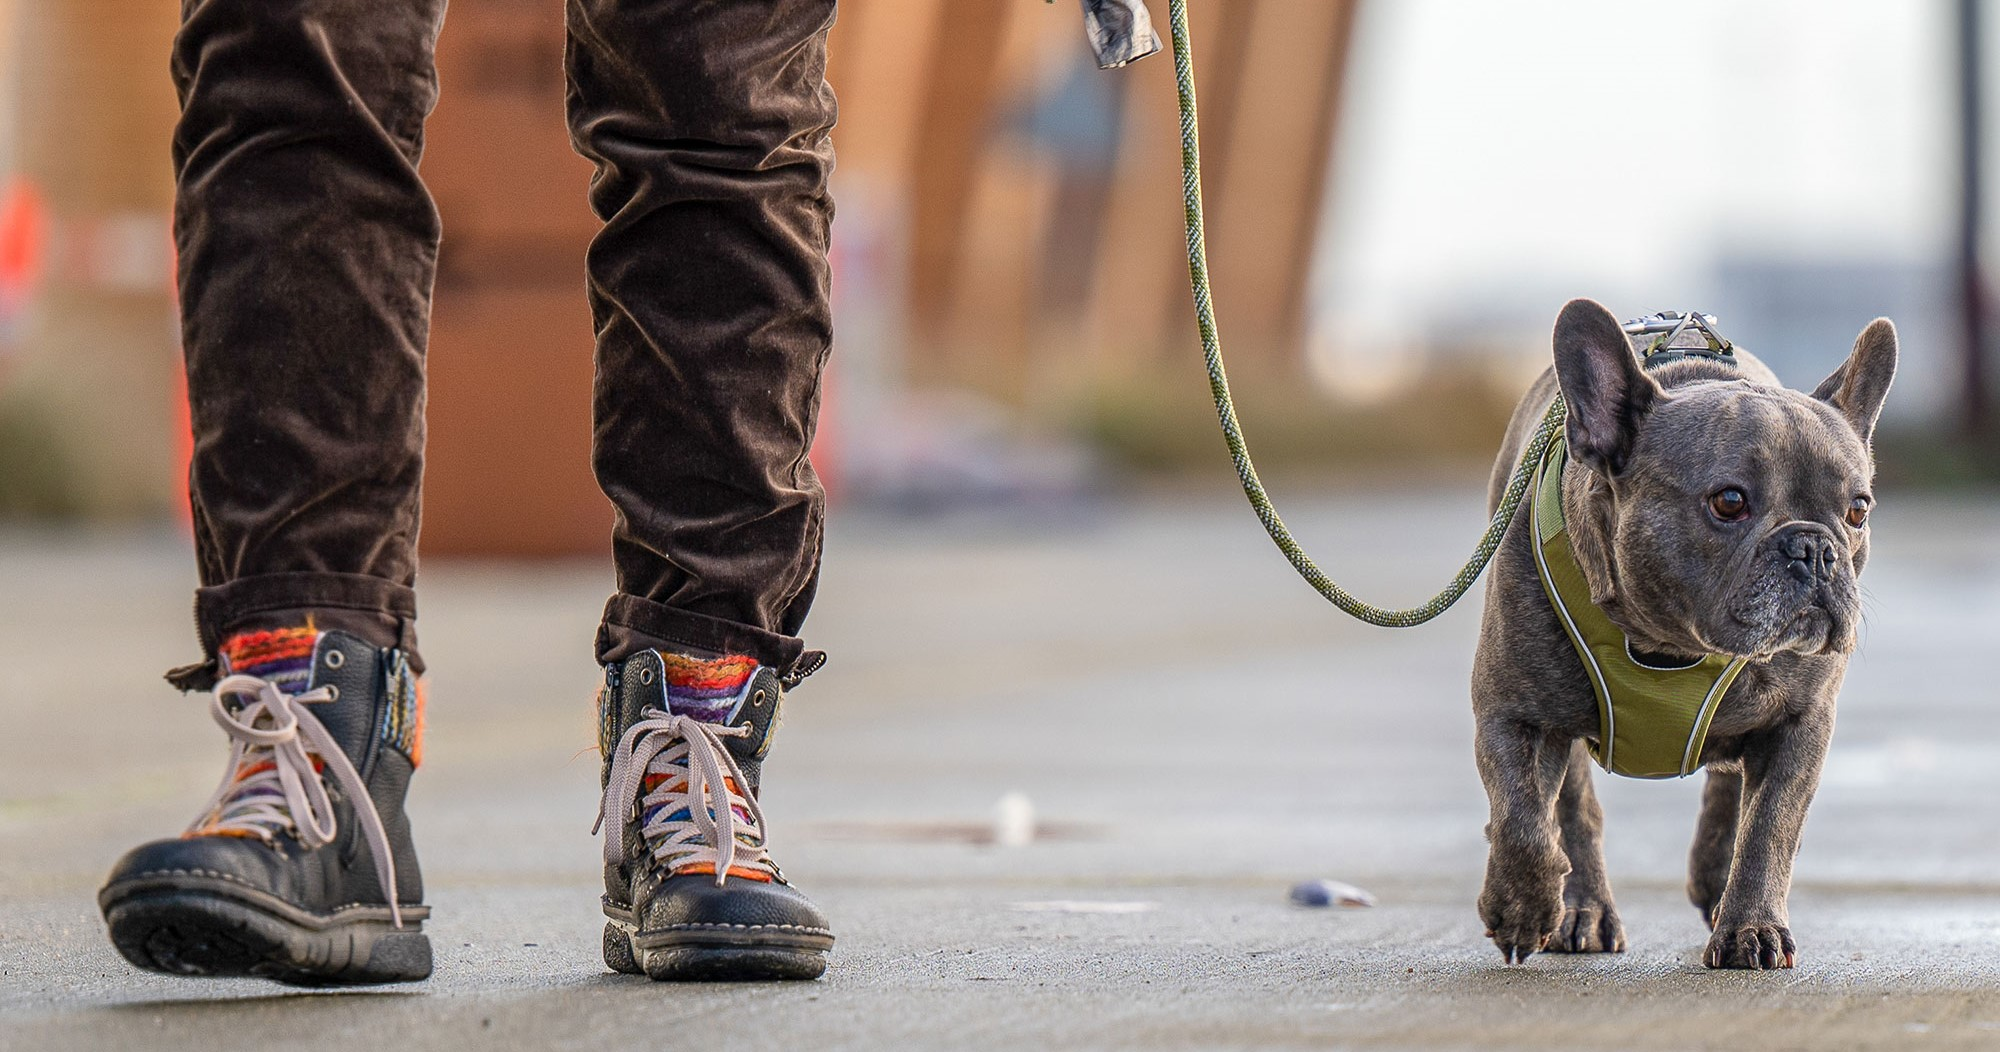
(1120, 31)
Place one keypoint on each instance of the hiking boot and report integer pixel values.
(689, 888)
(283, 875)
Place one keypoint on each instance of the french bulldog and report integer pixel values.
(1711, 511)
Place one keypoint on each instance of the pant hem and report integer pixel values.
(379, 611)
(632, 624)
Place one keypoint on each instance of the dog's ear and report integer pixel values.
(1608, 393)
(1858, 387)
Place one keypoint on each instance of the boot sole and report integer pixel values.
(200, 932)
(707, 956)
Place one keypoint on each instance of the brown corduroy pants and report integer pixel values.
(308, 245)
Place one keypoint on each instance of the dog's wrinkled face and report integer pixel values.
(1739, 522)
(1722, 515)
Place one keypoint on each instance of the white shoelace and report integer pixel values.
(275, 728)
(698, 777)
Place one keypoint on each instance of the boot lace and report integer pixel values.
(699, 813)
(273, 783)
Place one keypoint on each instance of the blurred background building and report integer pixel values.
(1401, 196)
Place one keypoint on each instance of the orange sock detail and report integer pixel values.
(417, 739)
(734, 871)
(249, 649)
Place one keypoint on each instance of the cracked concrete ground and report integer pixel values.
(1195, 728)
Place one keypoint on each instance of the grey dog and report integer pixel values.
(1712, 511)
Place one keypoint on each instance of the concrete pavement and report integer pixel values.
(1195, 727)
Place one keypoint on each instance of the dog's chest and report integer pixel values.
(1764, 696)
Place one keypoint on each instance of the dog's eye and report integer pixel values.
(1730, 505)
(1857, 512)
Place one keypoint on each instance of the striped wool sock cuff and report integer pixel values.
(282, 657)
(706, 689)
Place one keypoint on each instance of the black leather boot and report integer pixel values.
(688, 886)
(286, 881)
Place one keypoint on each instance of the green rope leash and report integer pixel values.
(1218, 385)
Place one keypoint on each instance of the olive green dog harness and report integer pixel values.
(1651, 721)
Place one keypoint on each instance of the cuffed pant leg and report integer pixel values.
(710, 127)
(307, 247)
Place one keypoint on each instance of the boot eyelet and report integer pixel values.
(335, 659)
(332, 692)
(757, 700)
(646, 676)
(749, 728)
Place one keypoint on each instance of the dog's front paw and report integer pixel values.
(1758, 946)
(1591, 927)
(1521, 915)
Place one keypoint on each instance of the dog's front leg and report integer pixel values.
(1781, 769)
(1590, 919)
(1714, 840)
(1523, 768)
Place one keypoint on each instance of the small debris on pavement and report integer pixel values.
(1330, 893)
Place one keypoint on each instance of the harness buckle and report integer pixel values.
(1676, 335)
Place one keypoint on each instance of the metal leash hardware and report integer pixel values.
(1667, 329)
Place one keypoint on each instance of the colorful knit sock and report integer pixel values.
(282, 657)
(707, 689)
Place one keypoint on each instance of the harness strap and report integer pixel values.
(1652, 721)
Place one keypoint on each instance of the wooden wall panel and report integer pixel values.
(1142, 308)
(1276, 143)
(511, 343)
(878, 52)
(953, 125)
(984, 320)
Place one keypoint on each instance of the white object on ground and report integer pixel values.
(1014, 820)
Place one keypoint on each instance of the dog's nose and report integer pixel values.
(1810, 551)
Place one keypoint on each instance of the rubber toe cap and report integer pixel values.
(739, 912)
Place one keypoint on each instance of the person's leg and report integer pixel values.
(710, 128)
(307, 246)
(709, 124)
